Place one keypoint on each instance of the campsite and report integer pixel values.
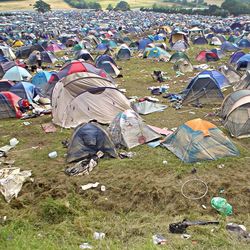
(123, 123)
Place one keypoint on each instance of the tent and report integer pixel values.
(177, 36)
(25, 90)
(41, 79)
(5, 85)
(177, 56)
(147, 107)
(200, 40)
(203, 89)
(244, 82)
(110, 68)
(207, 56)
(9, 105)
(183, 66)
(76, 66)
(128, 130)
(82, 97)
(179, 46)
(215, 41)
(123, 53)
(244, 43)
(243, 62)
(156, 52)
(227, 46)
(236, 56)
(84, 54)
(5, 67)
(199, 140)
(87, 140)
(53, 47)
(236, 113)
(7, 52)
(230, 73)
(143, 43)
(104, 58)
(17, 73)
(17, 43)
(46, 57)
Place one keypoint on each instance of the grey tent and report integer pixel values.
(244, 82)
(235, 112)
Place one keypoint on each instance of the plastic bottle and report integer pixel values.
(221, 205)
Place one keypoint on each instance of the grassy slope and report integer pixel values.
(143, 195)
(60, 4)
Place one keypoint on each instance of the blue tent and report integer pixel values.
(203, 89)
(200, 40)
(25, 90)
(243, 62)
(104, 58)
(236, 56)
(41, 79)
(155, 52)
(143, 43)
(87, 140)
(227, 46)
(102, 47)
(244, 43)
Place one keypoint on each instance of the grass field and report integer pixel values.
(60, 4)
(143, 195)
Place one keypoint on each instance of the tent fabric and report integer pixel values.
(236, 56)
(17, 73)
(243, 62)
(110, 68)
(85, 55)
(236, 113)
(215, 41)
(203, 89)
(230, 74)
(83, 97)
(227, 46)
(244, 44)
(9, 105)
(5, 85)
(199, 140)
(123, 54)
(183, 66)
(41, 79)
(147, 107)
(200, 41)
(156, 52)
(25, 90)
(244, 82)
(128, 130)
(178, 55)
(87, 140)
(179, 46)
(207, 56)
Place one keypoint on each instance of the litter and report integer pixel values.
(159, 239)
(162, 131)
(123, 155)
(103, 188)
(89, 186)
(99, 236)
(181, 227)
(13, 142)
(85, 246)
(11, 181)
(52, 155)
(154, 144)
(185, 236)
(26, 123)
(238, 229)
(202, 183)
(49, 127)
(221, 205)
(165, 162)
(5, 149)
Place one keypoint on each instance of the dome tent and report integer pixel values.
(236, 113)
(128, 130)
(199, 140)
(87, 140)
(82, 97)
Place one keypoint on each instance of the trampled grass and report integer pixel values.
(143, 195)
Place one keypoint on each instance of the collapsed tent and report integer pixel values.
(9, 105)
(244, 82)
(128, 130)
(183, 66)
(199, 140)
(147, 107)
(82, 97)
(203, 89)
(87, 140)
(235, 111)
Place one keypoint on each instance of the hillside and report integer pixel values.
(60, 4)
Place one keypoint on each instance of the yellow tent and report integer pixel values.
(18, 43)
